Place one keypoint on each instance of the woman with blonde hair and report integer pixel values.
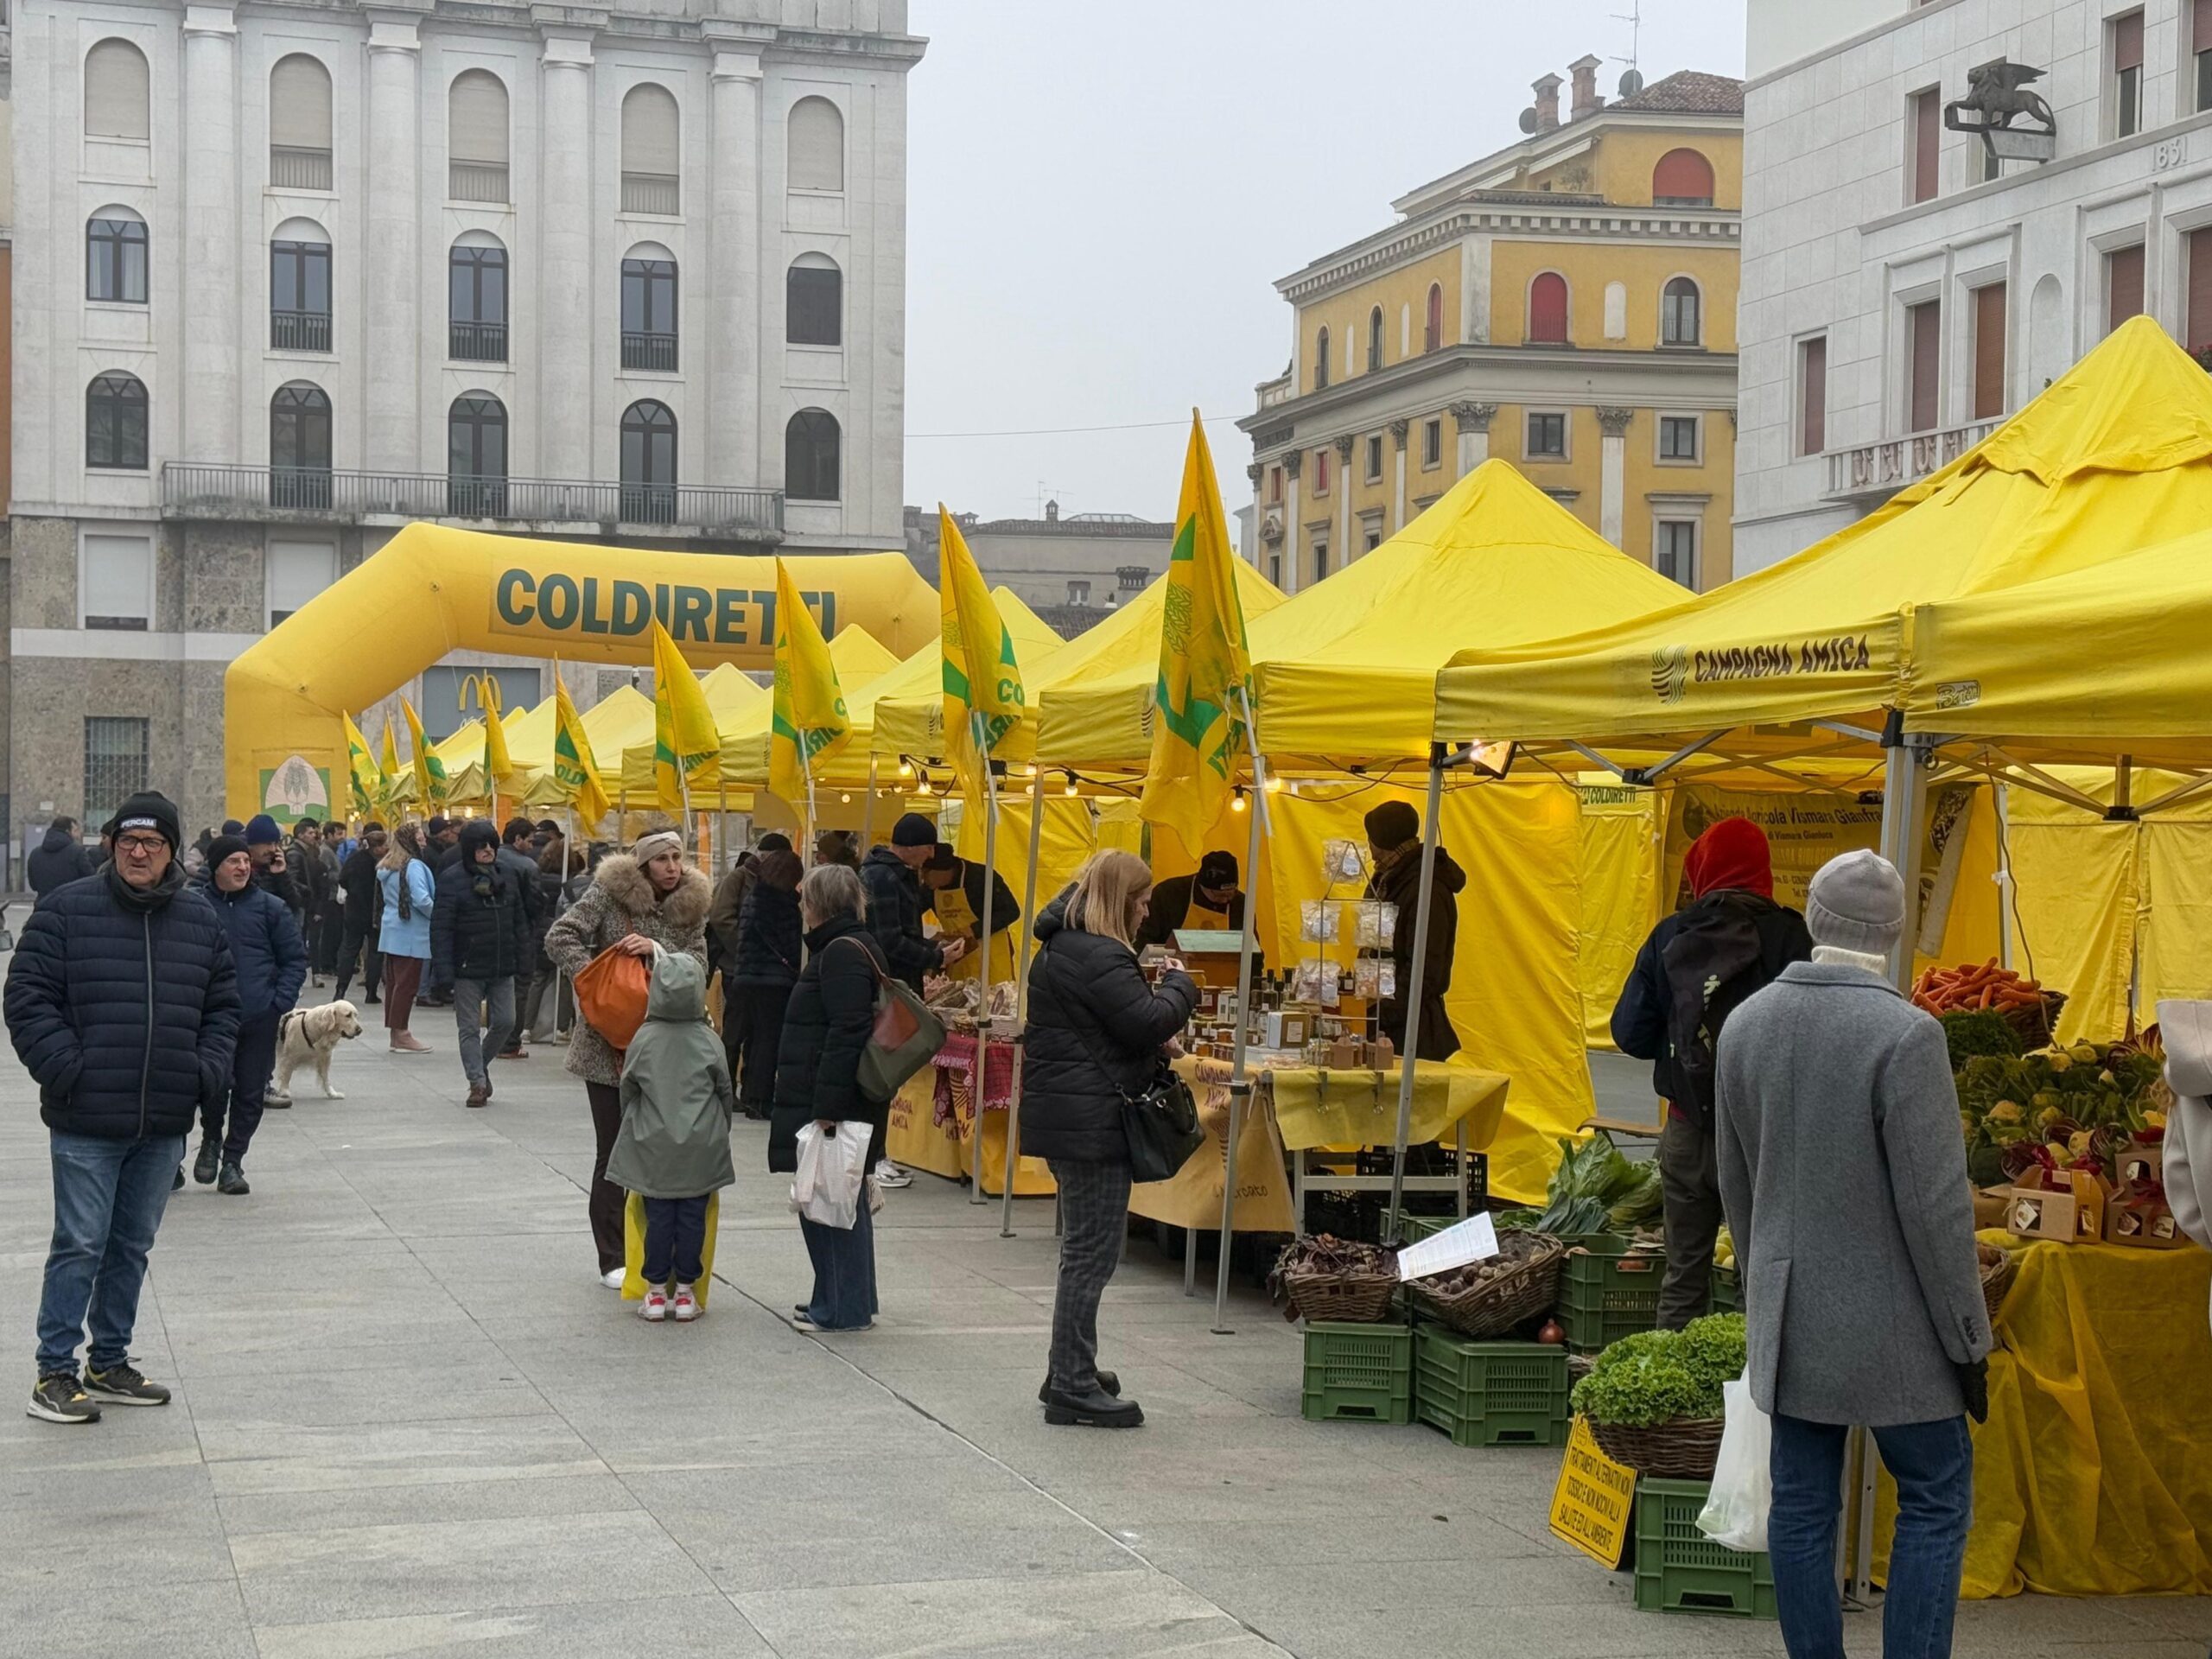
(409, 892)
(1098, 1031)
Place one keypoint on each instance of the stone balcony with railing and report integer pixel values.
(235, 493)
(1878, 471)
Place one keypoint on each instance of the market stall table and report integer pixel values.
(932, 1121)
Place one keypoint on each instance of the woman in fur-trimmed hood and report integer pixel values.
(646, 897)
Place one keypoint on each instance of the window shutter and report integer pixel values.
(1926, 363)
(119, 576)
(2127, 42)
(2200, 31)
(477, 119)
(651, 141)
(1989, 351)
(297, 572)
(1926, 145)
(115, 90)
(1813, 392)
(2123, 284)
(818, 146)
(1548, 308)
(299, 104)
(1683, 175)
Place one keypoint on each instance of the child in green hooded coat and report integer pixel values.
(673, 1148)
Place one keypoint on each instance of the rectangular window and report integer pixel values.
(1925, 111)
(1375, 460)
(2200, 46)
(299, 296)
(2123, 285)
(1374, 540)
(1813, 395)
(1274, 569)
(1431, 443)
(115, 261)
(1678, 437)
(2124, 88)
(1078, 593)
(115, 582)
(297, 572)
(1320, 558)
(1923, 366)
(1275, 486)
(814, 307)
(1547, 437)
(2197, 326)
(115, 763)
(1989, 351)
(1674, 550)
(1320, 472)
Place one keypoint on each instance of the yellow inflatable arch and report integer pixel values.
(430, 591)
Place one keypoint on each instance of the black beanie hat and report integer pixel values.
(1217, 870)
(476, 833)
(225, 847)
(912, 830)
(774, 841)
(148, 810)
(1392, 824)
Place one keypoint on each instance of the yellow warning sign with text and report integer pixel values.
(1594, 1503)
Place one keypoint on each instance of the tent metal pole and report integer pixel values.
(2002, 800)
(984, 955)
(1412, 990)
(1022, 997)
(1240, 1082)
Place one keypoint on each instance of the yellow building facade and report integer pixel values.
(1568, 303)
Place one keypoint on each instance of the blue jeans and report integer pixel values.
(1932, 1465)
(844, 1271)
(675, 1238)
(108, 1199)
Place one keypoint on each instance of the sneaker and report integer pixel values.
(684, 1305)
(277, 1103)
(802, 1321)
(655, 1306)
(612, 1278)
(59, 1399)
(206, 1165)
(513, 1054)
(232, 1181)
(889, 1175)
(122, 1385)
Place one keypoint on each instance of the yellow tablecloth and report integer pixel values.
(911, 1138)
(1192, 1199)
(2093, 1476)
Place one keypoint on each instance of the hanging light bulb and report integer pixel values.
(923, 788)
(846, 797)
(1069, 788)
(1274, 785)
(1029, 769)
(1236, 801)
(905, 767)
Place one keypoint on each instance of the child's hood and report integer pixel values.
(678, 990)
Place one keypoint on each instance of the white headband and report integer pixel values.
(652, 846)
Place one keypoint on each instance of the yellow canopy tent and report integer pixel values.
(908, 719)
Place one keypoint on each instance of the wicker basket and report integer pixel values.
(2000, 1267)
(1341, 1297)
(2038, 1022)
(1526, 1291)
(1682, 1448)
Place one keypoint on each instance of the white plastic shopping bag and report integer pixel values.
(1735, 1513)
(827, 1188)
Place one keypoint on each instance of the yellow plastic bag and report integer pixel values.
(634, 1249)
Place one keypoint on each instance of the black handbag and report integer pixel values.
(1160, 1122)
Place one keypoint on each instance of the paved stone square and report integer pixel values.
(409, 1421)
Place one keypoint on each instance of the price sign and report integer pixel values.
(1594, 1502)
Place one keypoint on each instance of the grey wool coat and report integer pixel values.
(1844, 1176)
(621, 901)
(677, 1099)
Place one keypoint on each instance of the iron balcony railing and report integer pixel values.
(653, 193)
(477, 342)
(299, 331)
(477, 182)
(294, 168)
(206, 491)
(654, 353)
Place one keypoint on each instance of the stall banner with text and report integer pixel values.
(1593, 1506)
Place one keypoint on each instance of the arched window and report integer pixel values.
(299, 287)
(1548, 309)
(649, 310)
(814, 301)
(115, 422)
(810, 456)
(1374, 339)
(1321, 361)
(648, 464)
(299, 123)
(476, 323)
(115, 256)
(651, 146)
(1678, 313)
(115, 91)
(476, 457)
(476, 137)
(816, 135)
(299, 447)
(1682, 179)
(1432, 327)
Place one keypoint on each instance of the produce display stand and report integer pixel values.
(953, 1147)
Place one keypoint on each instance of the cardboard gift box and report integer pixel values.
(2137, 1215)
(2063, 1209)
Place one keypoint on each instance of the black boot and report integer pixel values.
(233, 1179)
(205, 1165)
(1097, 1410)
(1106, 1380)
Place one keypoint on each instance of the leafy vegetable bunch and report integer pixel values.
(1657, 1376)
(1595, 1190)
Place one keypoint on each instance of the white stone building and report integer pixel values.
(1901, 292)
(289, 276)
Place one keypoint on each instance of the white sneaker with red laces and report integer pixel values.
(686, 1305)
(655, 1306)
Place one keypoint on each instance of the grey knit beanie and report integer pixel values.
(1857, 903)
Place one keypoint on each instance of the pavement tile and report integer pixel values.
(673, 1627)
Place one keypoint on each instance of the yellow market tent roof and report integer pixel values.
(910, 720)
(2114, 456)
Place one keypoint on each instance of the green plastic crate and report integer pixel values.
(1607, 1294)
(1489, 1393)
(1727, 1291)
(1680, 1570)
(1360, 1372)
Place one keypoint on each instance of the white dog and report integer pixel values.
(306, 1036)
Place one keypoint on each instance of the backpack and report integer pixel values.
(1710, 966)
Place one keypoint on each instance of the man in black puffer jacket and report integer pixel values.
(123, 1004)
(479, 941)
(891, 874)
(60, 858)
(270, 961)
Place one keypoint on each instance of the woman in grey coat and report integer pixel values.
(1843, 1177)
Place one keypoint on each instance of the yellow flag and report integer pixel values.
(1206, 666)
(687, 749)
(363, 783)
(498, 765)
(429, 771)
(575, 772)
(391, 767)
(981, 674)
(808, 722)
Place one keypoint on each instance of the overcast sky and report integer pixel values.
(1101, 198)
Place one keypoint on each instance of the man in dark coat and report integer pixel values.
(357, 884)
(954, 886)
(1393, 840)
(1706, 960)
(310, 858)
(1208, 899)
(123, 1004)
(272, 871)
(517, 859)
(757, 979)
(889, 876)
(270, 961)
(479, 940)
(59, 858)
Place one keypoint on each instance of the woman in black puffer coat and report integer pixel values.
(1096, 1031)
(770, 941)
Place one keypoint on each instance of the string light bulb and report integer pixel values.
(1070, 788)
(1236, 801)
(846, 797)
(1029, 769)
(923, 788)
(905, 767)
(1274, 785)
